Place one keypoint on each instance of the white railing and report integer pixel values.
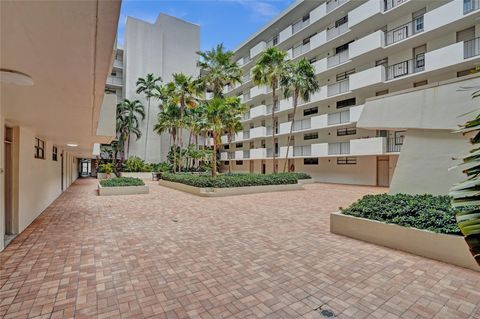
(337, 59)
(300, 25)
(302, 125)
(338, 88)
(246, 154)
(389, 4)
(338, 148)
(339, 117)
(301, 49)
(118, 63)
(470, 5)
(114, 80)
(336, 31)
(332, 4)
(305, 150)
(404, 31)
(246, 135)
(471, 48)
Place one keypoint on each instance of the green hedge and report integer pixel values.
(429, 212)
(301, 175)
(122, 181)
(231, 180)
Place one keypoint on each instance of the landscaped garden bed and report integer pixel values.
(423, 225)
(122, 186)
(232, 184)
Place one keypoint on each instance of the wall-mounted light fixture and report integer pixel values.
(15, 77)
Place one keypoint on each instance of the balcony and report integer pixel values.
(224, 156)
(406, 67)
(118, 64)
(300, 49)
(258, 111)
(332, 4)
(256, 91)
(258, 153)
(114, 80)
(390, 4)
(339, 148)
(336, 31)
(367, 77)
(238, 155)
(366, 44)
(300, 125)
(338, 117)
(338, 88)
(246, 154)
(453, 54)
(246, 116)
(270, 152)
(271, 106)
(258, 132)
(257, 49)
(337, 59)
(304, 150)
(470, 6)
(404, 31)
(368, 146)
(471, 48)
(394, 144)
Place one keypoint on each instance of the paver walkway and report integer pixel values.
(173, 255)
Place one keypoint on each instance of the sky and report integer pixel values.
(221, 21)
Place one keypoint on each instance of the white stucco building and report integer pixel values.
(360, 49)
(165, 47)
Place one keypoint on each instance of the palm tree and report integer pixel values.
(148, 86)
(270, 68)
(233, 125)
(169, 120)
(218, 112)
(128, 122)
(299, 81)
(218, 70)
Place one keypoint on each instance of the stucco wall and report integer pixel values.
(2, 178)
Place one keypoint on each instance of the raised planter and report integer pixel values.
(306, 181)
(141, 175)
(231, 191)
(105, 175)
(447, 248)
(122, 190)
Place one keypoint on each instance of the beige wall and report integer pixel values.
(2, 176)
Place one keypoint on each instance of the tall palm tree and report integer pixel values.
(218, 112)
(169, 120)
(233, 125)
(270, 68)
(148, 86)
(218, 70)
(128, 122)
(299, 81)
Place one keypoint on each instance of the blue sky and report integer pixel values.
(227, 21)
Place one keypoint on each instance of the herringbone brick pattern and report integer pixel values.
(173, 255)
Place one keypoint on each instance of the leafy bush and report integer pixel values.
(161, 167)
(122, 181)
(231, 180)
(106, 168)
(301, 175)
(136, 164)
(434, 213)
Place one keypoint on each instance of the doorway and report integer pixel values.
(11, 228)
(383, 179)
(252, 167)
(264, 167)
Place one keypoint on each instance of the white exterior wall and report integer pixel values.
(168, 46)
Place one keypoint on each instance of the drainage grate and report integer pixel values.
(327, 313)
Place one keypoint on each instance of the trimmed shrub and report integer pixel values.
(434, 213)
(230, 180)
(106, 168)
(122, 181)
(135, 164)
(301, 175)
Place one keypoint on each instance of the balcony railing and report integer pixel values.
(300, 25)
(332, 4)
(336, 31)
(301, 125)
(389, 4)
(339, 148)
(337, 59)
(394, 144)
(404, 31)
(270, 152)
(338, 117)
(246, 154)
(114, 80)
(231, 155)
(269, 108)
(470, 5)
(246, 116)
(406, 67)
(471, 48)
(246, 135)
(337, 88)
(118, 63)
(305, 150)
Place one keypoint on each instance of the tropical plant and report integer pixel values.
(270, 68)
(233, 125)
(106, 168)
(136, 164)
(217, 69)
(466, 195)
(148, 86)
(170, 120)
(128, 120)
(298, 81)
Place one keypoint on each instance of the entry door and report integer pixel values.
(382, 172)
(251, 166)
(264, 167)
(8, 187)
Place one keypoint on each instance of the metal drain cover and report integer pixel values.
(327, 313)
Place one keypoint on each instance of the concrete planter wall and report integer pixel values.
(232, 191)
(122, 190)
(105, 175)
(306, 181)
(447, 248)
(141, 175)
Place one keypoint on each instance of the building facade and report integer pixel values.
(165, 47)
(360, 50)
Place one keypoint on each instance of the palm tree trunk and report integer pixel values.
(274, 126)
(128, 145)
(174, 152)
(214, 155)
(229, 162)
(146, 132)
(295, 99)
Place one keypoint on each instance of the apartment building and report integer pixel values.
(53, 106)
(115, 80)
(360, 50)
(165, 47)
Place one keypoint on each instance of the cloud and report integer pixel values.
(260, 9)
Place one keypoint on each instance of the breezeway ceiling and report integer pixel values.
(67, 48)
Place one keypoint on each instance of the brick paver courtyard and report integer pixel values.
(173, 255)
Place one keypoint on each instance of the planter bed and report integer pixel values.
(122, 186)
(230, 191)
(450, 249)
(141, 175)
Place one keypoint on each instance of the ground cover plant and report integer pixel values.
(122, 181)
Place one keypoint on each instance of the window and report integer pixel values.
(54, 153)
(238, 162)
(310, 161)
(346, 103)
(346, 160)
(290, 117)
(39, 148)
(239, 145)
(341, 21)
(226, 162)
(262, 142)
(344, 75)
(381, 92)
(226, 147)
(310, 111)
(346, 131)
(467, 72)
(343, 47)
(420, 83)
(383, 62)
(313, 60)
(310, 136)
